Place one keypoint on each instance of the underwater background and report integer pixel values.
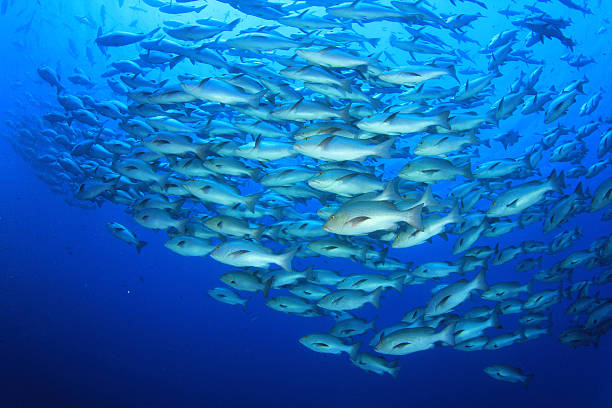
(86, 321)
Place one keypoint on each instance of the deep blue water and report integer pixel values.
(85, 321)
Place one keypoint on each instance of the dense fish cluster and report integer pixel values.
(257, 132)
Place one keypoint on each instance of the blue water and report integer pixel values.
(85, 321)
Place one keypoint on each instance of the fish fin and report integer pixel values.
(480, 282)
(528, 379)
(398, 284)
(354, 349)
(259, 232)
(254, 100)
(414, 217)
(384, 149)
(394, 371)
(443, 120)
(202, 151)
(250, 201)
(284, 260)
(375, 298)
(448, 335)
(267, 285)
(453, 72)
(390, 192)
(139, 245)
(454, 216)
(345, 113)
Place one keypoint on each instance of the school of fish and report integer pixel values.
(258, 132)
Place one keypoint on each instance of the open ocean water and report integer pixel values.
(104, 106)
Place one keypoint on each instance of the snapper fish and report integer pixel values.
(508, 373)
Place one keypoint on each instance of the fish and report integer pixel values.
(245, 253)
(326, 343)
(363, 217)
(504, 372)
(448, 298)
(412, 340)
(121, 232)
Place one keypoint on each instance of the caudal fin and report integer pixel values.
(528, 379)
(394, 371)
(284, 260)
(253, 100)
(454, 217)
(250, 201)
(479, 281)
(448, 335)
(390, 192)
(353, 350)
(557, 183)
(139, 245)
(444, 120)
(375, 298)
(398, 284)
(266, 287)
(414, 217)
(384, 149)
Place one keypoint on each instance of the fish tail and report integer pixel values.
(345, 113)
(284, 260)
(353, 350)
(390, 192)
(139, 245)
(233, 24)
(175, 61)
(414, 217)
(448, 335)
(528, 379)
(346, 84)
(453, 72)
(182, 224)
(259, 232)
(162, 180)
(443, 120)
(266, 287)
(454, 217)
(384, 149)
(202, 151)
(480, 282)
(254, 100)
(250, 201)
(394, 371)
(495, 320)
(557, 183)
(467, 171)
(375, 298)
(398, 284)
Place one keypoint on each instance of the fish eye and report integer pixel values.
(332, 217)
